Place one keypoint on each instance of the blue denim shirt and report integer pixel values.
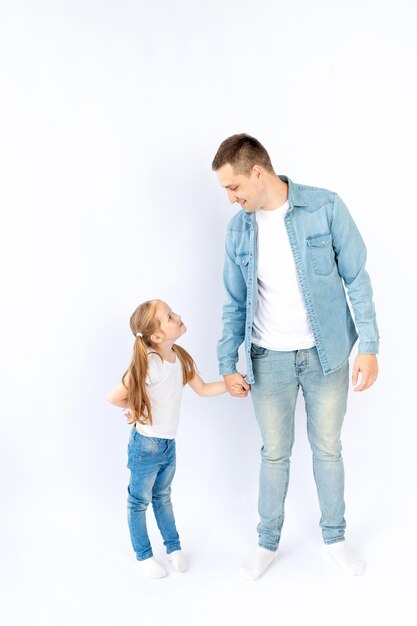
(329, 255)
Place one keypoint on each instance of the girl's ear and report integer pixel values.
(156, 338)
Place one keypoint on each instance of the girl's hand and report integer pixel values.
(238, 390)
(236, 385)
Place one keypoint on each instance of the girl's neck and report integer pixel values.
(164, 349)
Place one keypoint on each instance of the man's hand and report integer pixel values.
(236, 385)
(367, 366)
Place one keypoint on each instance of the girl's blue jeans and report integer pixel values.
(278, 376)
(151, 461)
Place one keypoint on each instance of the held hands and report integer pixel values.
(236, 385)
(367, 366)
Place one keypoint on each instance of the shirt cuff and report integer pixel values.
(368, 347)
(227, 368)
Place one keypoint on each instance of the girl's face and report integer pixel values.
(170, 323)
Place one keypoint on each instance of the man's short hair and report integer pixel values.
(242, 152)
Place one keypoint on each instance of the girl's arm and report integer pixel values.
(206, 389)
(118, 396)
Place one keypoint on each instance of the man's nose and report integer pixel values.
(232, 196)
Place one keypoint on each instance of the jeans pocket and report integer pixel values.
(132, 455)
(257, 352)
(142, 449)
(150, 447)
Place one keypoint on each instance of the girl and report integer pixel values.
(151, 391)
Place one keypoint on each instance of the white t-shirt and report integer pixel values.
(164, 387)
(281, 321)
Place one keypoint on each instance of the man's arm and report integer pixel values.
(350, 253)
(234, 319)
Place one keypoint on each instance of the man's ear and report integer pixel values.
(257, 171)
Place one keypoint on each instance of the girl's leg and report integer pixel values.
(139, 496)
(144, 464)
(161, 499)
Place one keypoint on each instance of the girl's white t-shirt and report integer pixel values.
(281, 321)
(164, 386)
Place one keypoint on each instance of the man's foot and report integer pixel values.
(256, 564)
(178, 560)
(345, 557)
(150, 568)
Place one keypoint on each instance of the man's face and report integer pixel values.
(245, 190)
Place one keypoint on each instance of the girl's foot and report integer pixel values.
(345, 557)
(151, 568)
(178, 560)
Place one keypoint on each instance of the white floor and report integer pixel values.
(71, 563)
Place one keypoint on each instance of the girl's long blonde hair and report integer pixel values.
(143, 320)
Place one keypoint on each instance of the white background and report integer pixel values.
(111, 112)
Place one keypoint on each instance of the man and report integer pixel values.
(290, 252)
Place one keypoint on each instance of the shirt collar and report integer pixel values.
(294, 197)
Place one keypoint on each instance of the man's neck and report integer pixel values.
(277, 193)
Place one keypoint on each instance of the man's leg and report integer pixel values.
(274, 396)
(326, 400)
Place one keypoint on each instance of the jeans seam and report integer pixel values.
(262, 545)
(337, 540)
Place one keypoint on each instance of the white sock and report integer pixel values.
(178, 560)
(151, 568)
(345, 557)
(256, 563)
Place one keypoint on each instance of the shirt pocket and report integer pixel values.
(242, 261)
(321, 253)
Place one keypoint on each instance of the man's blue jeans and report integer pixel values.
(278, 376)
(151, 461)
